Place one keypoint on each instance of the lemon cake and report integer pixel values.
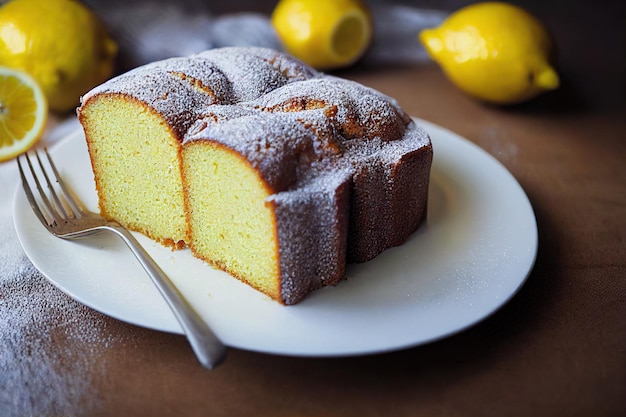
(263, 167)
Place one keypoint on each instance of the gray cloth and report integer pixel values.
(150, 31)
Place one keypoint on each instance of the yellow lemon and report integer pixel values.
(494, 51)
(325, 34)
(23, 112)
(61, 43)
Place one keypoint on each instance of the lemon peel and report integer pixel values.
(60, 43)
(325, 34)
(495, 52)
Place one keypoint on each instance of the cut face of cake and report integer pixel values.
(265, 168)
(232, 226)
(263, 205)
(136, 160)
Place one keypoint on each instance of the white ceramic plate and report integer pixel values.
(470, 257)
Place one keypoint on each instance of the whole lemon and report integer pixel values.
(494, 51)
(60, 43)
(325, 34)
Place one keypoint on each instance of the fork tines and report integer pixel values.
(54, 202)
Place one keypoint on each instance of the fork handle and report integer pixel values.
(209, 350)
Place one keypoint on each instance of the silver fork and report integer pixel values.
(63, 214)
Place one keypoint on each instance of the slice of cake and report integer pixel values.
(135, 123)
(265, 168)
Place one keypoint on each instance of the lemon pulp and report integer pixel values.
(23, 112)
(349, 36)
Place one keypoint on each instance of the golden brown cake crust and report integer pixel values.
(347, 168)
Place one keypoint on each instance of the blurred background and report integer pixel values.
(590, 38)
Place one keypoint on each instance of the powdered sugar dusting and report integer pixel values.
(361, 112)
(182, 89)
(314, 138)
(35, 377)
(254, 71)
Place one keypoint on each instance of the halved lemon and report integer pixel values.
(325, 34)
(23, 112)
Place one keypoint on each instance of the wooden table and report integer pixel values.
(558, 348)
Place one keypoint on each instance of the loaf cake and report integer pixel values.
(263, 167)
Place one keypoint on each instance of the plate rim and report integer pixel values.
(428, 126)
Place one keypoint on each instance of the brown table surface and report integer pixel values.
(557, 348)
